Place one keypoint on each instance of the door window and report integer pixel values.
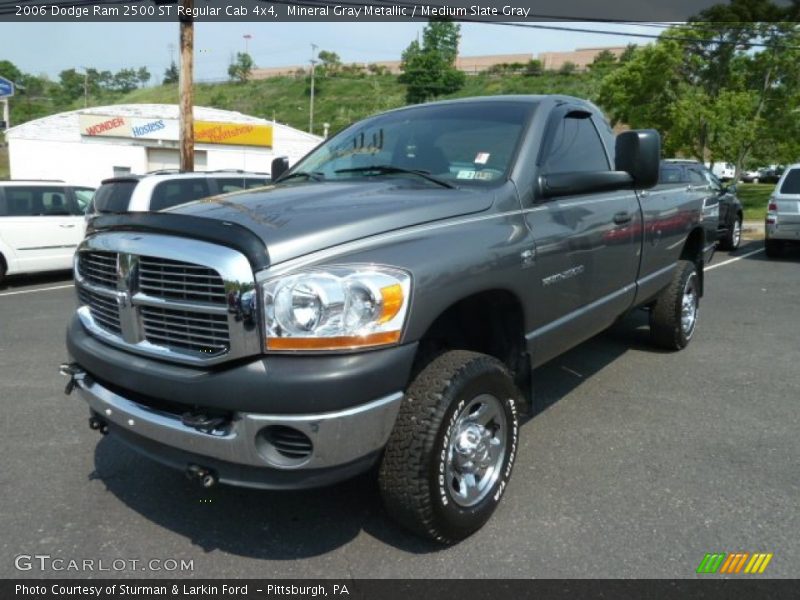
(84, 197)
(576, 146)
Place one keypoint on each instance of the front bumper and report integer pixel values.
(242, 455)
(343, 407)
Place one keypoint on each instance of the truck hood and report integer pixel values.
(294, 220)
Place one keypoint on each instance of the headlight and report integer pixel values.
(336, 308)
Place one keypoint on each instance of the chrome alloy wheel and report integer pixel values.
(689, 306)
(476, 449)
(736, 235)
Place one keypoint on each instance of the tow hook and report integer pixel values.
(207, 477)
(98, 424)
(75, 374)
(204, 423)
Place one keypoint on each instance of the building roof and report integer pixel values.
(64, 127)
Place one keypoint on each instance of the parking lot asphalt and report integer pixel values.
(637, 463)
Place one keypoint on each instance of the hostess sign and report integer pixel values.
(141, 128)
(205, 132)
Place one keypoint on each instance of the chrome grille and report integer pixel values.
(99, 268)
(175, 280)
(177, 299)
(104, 309)
(184, 330)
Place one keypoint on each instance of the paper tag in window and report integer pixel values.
(482, 158)
(464, 174)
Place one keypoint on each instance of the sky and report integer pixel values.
(49, 48)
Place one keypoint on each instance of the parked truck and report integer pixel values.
(383, 303)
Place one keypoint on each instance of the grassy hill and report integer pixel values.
(341, 100)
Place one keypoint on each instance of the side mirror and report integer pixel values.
(279, 166)
(638, 153)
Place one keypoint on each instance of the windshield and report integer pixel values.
(469, 143)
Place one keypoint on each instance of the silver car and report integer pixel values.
(782, 223)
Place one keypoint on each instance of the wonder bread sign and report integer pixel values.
(205, 132)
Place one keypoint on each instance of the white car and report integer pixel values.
(782, 225)
(41, 224)
(164, 189)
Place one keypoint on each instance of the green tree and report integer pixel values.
(717, 92)
(568, 68)
(534, 67)
(330, 63)
(171, 74)
(10, 71)
(604, 62)
(241, 68)
(429, 67)
(143, 75)
(124, 81)
(72, 84)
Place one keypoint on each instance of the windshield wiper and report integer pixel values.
(388, 169)
(312, 175)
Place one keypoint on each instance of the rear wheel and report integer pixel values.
(2, 269)
(733, 238)
(673, 318)
(452, 449)
(774, 248)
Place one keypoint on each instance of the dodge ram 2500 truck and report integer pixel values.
(384, 302)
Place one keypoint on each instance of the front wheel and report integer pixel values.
(450, 454)
(673, 319)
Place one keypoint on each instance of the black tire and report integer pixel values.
(420, 452)
(773, 248)
(733, 238)
(2, 270)
(667, 326)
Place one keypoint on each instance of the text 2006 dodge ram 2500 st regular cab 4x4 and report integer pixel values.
(383, 302)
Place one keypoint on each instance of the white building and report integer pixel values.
(83, 147)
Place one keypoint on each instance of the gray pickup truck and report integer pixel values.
(384, 302)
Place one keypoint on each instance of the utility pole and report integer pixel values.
(85, 87)
(247, 37)
(311, 107)
(186, 87)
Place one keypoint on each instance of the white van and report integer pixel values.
(41, 224)
(723, 170)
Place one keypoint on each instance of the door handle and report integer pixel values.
(67, 225)
(622, 217)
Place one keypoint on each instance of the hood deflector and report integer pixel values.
(214, 231)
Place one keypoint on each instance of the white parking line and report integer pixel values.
(47, 289)
(732, 260)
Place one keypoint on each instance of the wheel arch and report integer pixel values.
(490, 321)
(693, 251)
